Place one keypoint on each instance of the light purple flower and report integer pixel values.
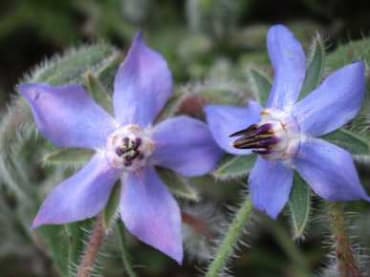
(283, 134)
(126, 147)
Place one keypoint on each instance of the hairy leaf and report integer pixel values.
(299, 206)
(234, 167)
(315, 68)
(178, 185)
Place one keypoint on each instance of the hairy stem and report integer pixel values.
(347, 265)
(234, 232)
(95, 242)
(124, 254)
(299, 263)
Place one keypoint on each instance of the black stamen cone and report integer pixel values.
(255, 137)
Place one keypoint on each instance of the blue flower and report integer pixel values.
(127, 147)
(284, 133)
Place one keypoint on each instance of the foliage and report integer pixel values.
(216, 58)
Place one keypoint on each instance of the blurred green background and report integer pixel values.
(203, 40)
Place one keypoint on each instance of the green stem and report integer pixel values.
(347, 265)
(124, 253)
(234, 232)
(289, 247)
(95, 242)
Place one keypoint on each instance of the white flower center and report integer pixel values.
(129, 147)
(275, 137)
(286, 130)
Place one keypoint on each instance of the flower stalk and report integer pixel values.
(96, 240)
(346, 262)
(232, 236)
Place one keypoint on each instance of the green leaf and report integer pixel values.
(71, 67)
(347, 53)
(57, 244)
(299, 206)
(98, 91)
(234, 167)
(178, 185)
(350, 141)
(77, 235)
(261, 84)
(111, 209)
(125, 257)
(315, 68)
(72, 157)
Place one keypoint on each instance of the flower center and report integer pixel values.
(129, 147)
(275, 137)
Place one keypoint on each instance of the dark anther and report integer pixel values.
(253, 130)
(140, 156)
(257, 142)
(125, 140)
(250, 129)
(138, 142)
(128, 163)
(128, 158)
(119, 151)
(136, 154)
(260, 138)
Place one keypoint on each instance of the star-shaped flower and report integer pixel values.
(284, 133)
(126, 147)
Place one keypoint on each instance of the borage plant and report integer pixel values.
(145, 136)
(284, 136)
(127, 147)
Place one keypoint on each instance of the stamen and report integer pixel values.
(129, 147)
(255, 137)
(257, 142)
(119, 151)
(125, 141)
(138, 142)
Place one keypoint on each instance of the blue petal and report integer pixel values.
(225, 120)
(329, 170)
(186, 146)
(67, 116)
(289, 63)
(151, 213)
(336, 101)
(270, 183)
(142, 85)
(81, 196)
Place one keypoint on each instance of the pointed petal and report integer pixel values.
(336, 101)
(329, 170)
(142, 85)
(186, 146)
(226, 120)
(79, 197)
(151, 213)
(270, 183)
(67, 116)
(289, 63)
